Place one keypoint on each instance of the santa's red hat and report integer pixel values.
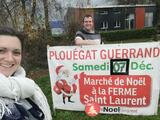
(58, 68)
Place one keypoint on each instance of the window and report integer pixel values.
(129, 21)
(117, 12)
(117, 24)
(104, 12)
(148, 19)
(104, 25)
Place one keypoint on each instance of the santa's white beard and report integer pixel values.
(69, 79)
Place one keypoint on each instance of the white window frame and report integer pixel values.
(104, 25)
(117, 24)
(148, 19)
(104, 12)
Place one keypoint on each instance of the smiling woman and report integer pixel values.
(10, 54)
(20, 97)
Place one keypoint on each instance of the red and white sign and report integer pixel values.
(92, 109)
(120, 78)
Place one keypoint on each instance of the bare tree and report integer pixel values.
(45, 3)
(25, 19)
(33, 11)
(8, 8)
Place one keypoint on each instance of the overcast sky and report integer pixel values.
(62, 5)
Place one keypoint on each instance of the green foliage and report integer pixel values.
(128, 34)
(64, 39)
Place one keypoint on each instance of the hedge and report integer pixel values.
(128, 34)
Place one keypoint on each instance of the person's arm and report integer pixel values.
(80, 41)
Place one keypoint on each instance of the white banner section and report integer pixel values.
(121, 78)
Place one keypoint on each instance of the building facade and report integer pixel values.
(115, 17)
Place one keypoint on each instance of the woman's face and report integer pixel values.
(10, 54)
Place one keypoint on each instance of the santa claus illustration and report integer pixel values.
(65, 83)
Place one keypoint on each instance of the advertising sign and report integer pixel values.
(120, 78)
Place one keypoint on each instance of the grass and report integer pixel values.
(44, 83)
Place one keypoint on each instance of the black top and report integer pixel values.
(87, 35)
